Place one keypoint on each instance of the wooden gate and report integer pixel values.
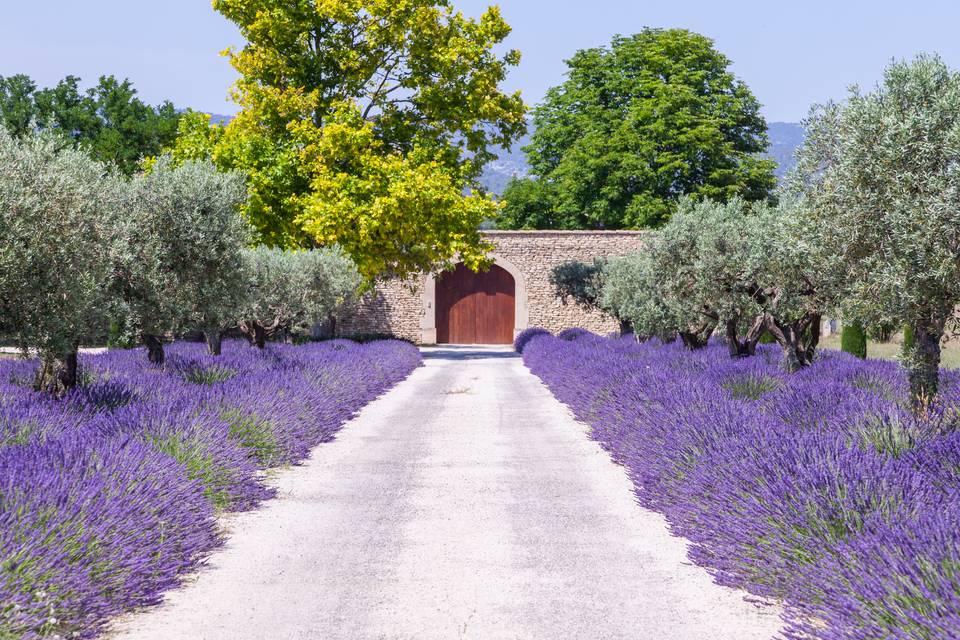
(475, 308)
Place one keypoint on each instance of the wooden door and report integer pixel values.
(475, 308)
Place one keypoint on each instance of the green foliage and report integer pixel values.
(745, 267)
(578, 281)
(882, 332)
(208, 375)
(880, 167)
(216, 479)
(365, 124)
(181, 265)
(853, 339)
(691, 276)
(750, 386)
(107, 121)
(636, 126)
(254, 434)
(528, 203)
(630, 292)
(908, 340)
(58, 235)
(291, 291)
(119, 335)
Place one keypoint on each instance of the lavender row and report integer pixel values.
(108, 495)
(821, 488)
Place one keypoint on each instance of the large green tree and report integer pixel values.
(366, 123)
(108, 121)
(635, 126)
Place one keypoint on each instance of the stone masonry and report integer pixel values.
(406, 309)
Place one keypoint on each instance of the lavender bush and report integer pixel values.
(822, 488)
(525, 336)
(108, 495)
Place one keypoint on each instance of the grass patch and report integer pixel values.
(201, 465)
(208, 375)
(255, 434)
(949, 355)
(750, 387)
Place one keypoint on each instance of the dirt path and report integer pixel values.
(466, 503)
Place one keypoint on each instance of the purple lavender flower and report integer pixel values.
(820, 488)
(108, 495)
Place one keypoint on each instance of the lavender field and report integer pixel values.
(109, 495)
(820, 489)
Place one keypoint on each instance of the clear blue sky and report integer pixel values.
(792, 54)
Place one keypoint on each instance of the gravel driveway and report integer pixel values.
(465, 503)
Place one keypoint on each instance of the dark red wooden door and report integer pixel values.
(475, 308)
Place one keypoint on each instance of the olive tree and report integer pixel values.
(791, 282)
(882, 171)
(630, 292)
(57, 238)
(582, 283)
(743, 268)
(707, 265)
(181, 266)
(291, 291)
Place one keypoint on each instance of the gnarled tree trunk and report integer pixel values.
(748, 346)
(154, 344)
(694, 338)
(57, 374)
(923, 361)
(798, 339)
(255, 333)
(214, 338)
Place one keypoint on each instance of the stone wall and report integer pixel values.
(406, 309)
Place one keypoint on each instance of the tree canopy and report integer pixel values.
(107, 121)
(294, 290)
(636, 126)
(880, 171)
(366, 123)
(181, 264)
(58, 236)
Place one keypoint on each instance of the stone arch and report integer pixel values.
(428, 301)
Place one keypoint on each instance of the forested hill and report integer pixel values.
(785, 137)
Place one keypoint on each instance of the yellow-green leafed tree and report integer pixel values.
(366, 123)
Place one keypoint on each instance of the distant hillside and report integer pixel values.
(785, 138)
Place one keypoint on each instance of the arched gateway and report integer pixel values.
(475, 308)
(411, 308)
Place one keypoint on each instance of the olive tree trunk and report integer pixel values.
(694, 338)
(256, 335)
(746, 347)
(923, 361)
(57, 374)
(797, 339)
(214, 338)
(155, 353)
